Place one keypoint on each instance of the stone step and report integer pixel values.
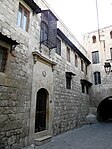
(42, 140)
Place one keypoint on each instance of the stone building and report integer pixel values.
(99, 47)
(44, 83)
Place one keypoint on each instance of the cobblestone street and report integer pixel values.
(96, 136)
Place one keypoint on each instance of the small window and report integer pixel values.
(58, 49)
(94, 39)
(68, 81)
(87, 90)
(83, 87)
(111, 53)
(76, 60)
(111, 35)
(23, 18)
(97, 78)
(3, 58)
(82, 65)
(68, 54)
(95, 57)
(86, 68)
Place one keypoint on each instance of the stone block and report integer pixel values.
(42, 140)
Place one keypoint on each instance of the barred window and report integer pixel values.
(97, 78)
(95, 57)
(44, 33)
(48, 30)
(58, 48)
(3, 58)
(23, 17)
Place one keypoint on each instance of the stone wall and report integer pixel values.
(100, 91)
(70, 106)
(67, 108)
(15, 82)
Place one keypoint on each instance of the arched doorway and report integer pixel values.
(104, 110)
(41, 110)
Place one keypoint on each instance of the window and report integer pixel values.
(3, 58)
(48, 29)
(68, 81)
(94, 39)
(111, 34)
(82, 65)
(97, 78)
(83, 88)
(58, 49)
(44, 33)
(76, 60)
(87, 90)
(23, 18)
(68, 54)
(86, 68)
(111, 53)
(95, 57)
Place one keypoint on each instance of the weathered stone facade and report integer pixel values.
(29, 70)
(102, 44)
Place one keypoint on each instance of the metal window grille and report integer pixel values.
(49, 39)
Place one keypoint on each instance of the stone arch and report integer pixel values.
(42, 110)
(104, 110)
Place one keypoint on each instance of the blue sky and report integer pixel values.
(80, 15)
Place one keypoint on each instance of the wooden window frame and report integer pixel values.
(4, 58)
(23, 8)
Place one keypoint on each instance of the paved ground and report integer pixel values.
(96, 136)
